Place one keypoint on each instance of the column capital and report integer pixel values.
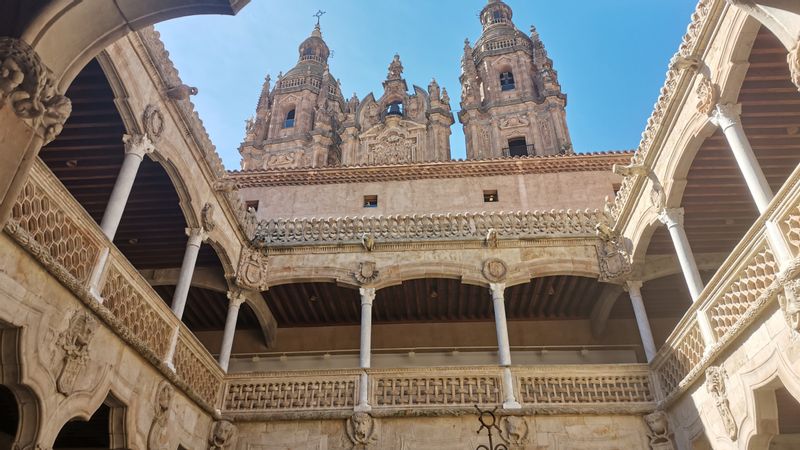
(138, 144)
(671, 216)
(196, 235)
(726, 115)
(497, 290)
(633, 286)
(236, 297)
(367, 295)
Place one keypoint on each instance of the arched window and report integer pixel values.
(289, 122)
(395, 109)
(518, 147)
(497, 17)
(507, 81)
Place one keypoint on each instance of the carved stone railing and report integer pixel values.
(52, 226)
(441, 390)
(746, 283)
(453, 227)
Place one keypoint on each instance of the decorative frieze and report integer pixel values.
(75, 342)
(715, 384)
(28, 85)
(464, 226)
(585, 389)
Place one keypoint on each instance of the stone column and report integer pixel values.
(367, 297)
(635, 293)
(196, 238)
(727, 117)
(235, 302)
(503, 347)
(673, 219)
(136, 147)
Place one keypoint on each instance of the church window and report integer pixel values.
(289, 122)
(370, 201)
(507, 81)
(490, 196)
(395, 109)
(518, 147)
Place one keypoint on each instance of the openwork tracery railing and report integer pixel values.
(398, 228)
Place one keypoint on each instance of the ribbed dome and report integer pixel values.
(314, 48)
(496, 13)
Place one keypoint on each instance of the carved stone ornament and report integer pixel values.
(495, 270)
(613, 257)
(514, 431)
(715, 384)
(361, 428)
(367, 272)
(28, 86)
(153, 121)
(207, 217)
(790, 304)
(658, 431)
(794, 64)
(158, 437)
(75, 343)
(707, 95)
(368, 242)
(491, 239)
(514, 122)
(223, 434)
(253, 270)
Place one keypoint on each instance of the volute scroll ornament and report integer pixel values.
(362, 430)
(28, 85)
(158, 437)
(495, 270)
(223, 435)
(253, 270)
(75, 342)
(658, 431)
(715, 384)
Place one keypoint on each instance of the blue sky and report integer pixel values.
(611, 56)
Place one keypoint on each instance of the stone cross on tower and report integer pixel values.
(319, 15)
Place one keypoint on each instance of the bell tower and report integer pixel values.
(511, 101)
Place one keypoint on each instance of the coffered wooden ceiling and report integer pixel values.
(719, 208)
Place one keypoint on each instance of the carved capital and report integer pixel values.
(236, 298)
(671, 217)
(196, 235)
(498, 291)
(138, 144)
(367, 295)
(726, 115)
(253, 270)
(793, 58)
(28, 85)
(707, 95)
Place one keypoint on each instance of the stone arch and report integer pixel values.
(28, 414)
(782, 17)
(108, 420)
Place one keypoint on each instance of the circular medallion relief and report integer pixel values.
(495, 270)
(153, 122)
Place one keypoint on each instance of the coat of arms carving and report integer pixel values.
(495, 270)
(253, 270)
(367, 272)
(75, 343)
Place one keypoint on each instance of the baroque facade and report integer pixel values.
(354, 288)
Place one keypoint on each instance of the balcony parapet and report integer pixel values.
(428, 227)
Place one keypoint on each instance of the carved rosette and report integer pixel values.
(715, 384)
(515, 432)
(367, 272)
(158, 437)
(790, 304)
(658, 431)
(794, 64)
(707, 95)
(223, 435)
(28, 85)
(253, 270)
(75, 343)
(361, 429)
(495, 270)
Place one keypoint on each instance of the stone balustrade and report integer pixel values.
(428, 227)
(547, 389)
(50, 224)
(746, 283)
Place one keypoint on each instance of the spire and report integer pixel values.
(545, 65)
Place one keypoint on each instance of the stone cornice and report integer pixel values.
(593, 162)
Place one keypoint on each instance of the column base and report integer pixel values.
(363, 408)
(511, 404)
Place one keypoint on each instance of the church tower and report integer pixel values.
(296, 122)
(511, 101)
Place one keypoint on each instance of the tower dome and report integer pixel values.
(496, 13)
(314, 48)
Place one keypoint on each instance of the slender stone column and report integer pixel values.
(635, 293)
(673, 219)
(235, 302)
(365, 355)
(727, 117)
(196, 238)
(503, 347)
(136, 147)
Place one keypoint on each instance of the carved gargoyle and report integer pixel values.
(223, 434)
(658, 431)
(181, 92)
(361, 428)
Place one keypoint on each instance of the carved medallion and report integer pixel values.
(158, 437)
(367, 272)
(715, 384)
(658, 431)
(75, 343)
(790, 304)
(514, 430)
(495, 270)
(707, 95)
(361, 428)
(153, 121)
(253, 270)
(223, 433)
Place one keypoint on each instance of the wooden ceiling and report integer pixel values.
(87, 157)
(207, 310)
(719, 208)
(432, 300)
